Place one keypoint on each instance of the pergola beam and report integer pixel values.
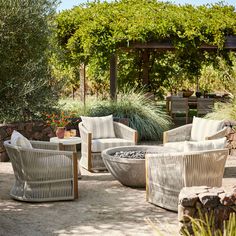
(230, 43)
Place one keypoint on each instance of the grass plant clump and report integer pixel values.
(205, 226)
(222, 111)
(143, 114)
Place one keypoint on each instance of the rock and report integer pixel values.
(209, 199)
(227, 199)
(130, 154)
(199, 189)
(184, 213)
(216, 202)
(3, 134)
(216, 190)
(187, 200)
(4, 157)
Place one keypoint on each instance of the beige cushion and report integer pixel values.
(99, 145)
(17, 139)
(100, 127)
(205, 145)
(202, 128)
(178, 146)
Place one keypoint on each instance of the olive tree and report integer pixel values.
(26, 86)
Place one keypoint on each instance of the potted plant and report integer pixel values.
(59, 122)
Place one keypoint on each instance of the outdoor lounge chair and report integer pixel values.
(168, 173)
(42, 172)
(201, 129)
(98, 134)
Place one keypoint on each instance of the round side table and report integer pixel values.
(68, 144)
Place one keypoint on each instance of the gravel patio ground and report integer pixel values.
(104, 207)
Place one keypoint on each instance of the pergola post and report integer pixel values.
(82, 76)
(145, 55)
(113, 73)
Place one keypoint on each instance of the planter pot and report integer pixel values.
(60, 132)
(198, 94)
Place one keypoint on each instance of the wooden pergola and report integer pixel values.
(230, 44)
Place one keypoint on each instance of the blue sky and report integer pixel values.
(67, 4)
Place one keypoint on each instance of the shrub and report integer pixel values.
(26, 86)
(143, 114)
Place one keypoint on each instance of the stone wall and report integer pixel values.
(206, 200)
(36, 130)
(32, 130)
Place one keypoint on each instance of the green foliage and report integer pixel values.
(91, 32)
(143, 114)
(26, 86)
(222, 111)
(205, 226)
(222, 78)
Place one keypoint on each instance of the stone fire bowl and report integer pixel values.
(129, 172)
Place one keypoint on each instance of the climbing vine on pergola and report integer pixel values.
(98, 30)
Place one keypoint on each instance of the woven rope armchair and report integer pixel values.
(168, 173)
(183, 133)
(43, 173)
(92, 160)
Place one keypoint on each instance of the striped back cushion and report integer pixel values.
(202, 128)
(100, 127)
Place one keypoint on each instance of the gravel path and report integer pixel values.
(104, 207)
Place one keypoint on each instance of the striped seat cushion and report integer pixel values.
(99, 145)
(203, 128)
(100, 127)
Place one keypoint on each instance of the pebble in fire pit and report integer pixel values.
(130, 154)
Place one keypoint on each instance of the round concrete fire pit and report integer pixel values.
(130, 172)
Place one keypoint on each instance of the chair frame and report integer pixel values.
(174, 110)
(204, 105)
(92, 161)
(47, 183)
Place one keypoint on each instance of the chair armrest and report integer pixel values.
(179, 134)
(85, 135)
(86, 144)
(44, 145)
(221, 134)
(125, 132)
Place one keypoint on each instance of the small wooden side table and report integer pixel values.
(68, 144)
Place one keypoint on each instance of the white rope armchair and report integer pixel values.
(43, 173)
(168, 173)
(92, 145)
(201, 129)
